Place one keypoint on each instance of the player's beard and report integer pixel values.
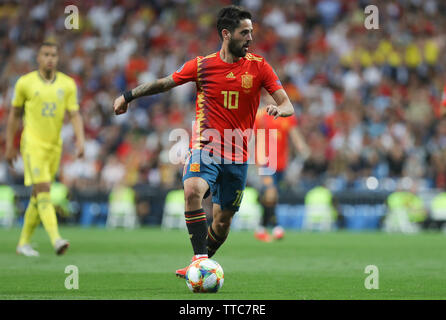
(236, 48)
(48, 72)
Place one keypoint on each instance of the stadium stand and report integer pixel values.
(367, 101)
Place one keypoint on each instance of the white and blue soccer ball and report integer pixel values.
(204, 275)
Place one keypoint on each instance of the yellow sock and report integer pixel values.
(30, 222)
(48, 216)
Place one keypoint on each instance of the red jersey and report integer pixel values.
(228, 95)
(283, 127)
(443, 97)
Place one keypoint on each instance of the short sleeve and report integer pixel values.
(72, 104)
(186, 73)
(19, 97)
(270, 80)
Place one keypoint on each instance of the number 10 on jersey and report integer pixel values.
(230, 99)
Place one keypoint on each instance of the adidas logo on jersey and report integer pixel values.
(230, 76)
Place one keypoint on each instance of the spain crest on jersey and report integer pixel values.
(246, 81)
(195, 167)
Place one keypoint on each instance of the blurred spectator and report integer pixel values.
(368, 101)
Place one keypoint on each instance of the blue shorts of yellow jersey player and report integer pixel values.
(226, 181)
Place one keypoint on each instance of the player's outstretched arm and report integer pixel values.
(78, 127)
(164, 84)
(284, 108)
(14, 119)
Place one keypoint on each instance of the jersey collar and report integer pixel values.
(45, 81)
(230, 64)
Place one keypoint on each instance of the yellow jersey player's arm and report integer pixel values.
(78, 127)
(76, 119)
(14, 121)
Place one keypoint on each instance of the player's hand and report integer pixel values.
(120, 106)
(79, 150)
(274, 111)
(11, 156)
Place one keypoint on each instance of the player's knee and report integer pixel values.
(193, 194)
(223, 219)
(269, 197)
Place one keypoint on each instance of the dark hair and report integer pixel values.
(229, 18)
(49, 44)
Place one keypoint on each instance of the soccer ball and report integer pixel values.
(204, 275)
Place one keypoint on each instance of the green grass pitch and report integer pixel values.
(140, 264)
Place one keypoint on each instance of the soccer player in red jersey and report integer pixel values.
(228, 86)
(284, 130)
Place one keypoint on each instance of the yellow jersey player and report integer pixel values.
(42, 96)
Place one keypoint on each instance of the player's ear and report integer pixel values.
(226, 34)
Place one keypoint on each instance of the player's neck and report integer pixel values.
(47, 76)
(226, 56)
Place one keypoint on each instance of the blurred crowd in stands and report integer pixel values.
(368, 102)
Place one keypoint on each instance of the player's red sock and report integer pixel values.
(197, 226)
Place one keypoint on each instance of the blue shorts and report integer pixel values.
(274, 179)
(226, 181)
(278, 177)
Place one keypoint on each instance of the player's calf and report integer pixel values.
(196, 221)
(214, 241)
(219, 230)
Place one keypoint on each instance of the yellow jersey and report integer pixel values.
(44, 106)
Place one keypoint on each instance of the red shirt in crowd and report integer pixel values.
(282, 126)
